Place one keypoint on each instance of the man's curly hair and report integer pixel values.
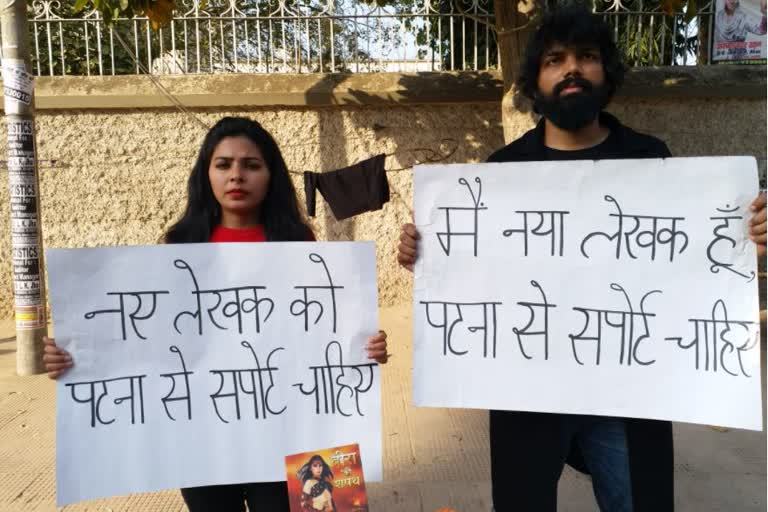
(572, 26)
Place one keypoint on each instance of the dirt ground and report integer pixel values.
(432, 457)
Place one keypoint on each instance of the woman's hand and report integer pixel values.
(377, 348)
(57, 360)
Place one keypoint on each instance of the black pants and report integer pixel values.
(261, 497)
(527, 459)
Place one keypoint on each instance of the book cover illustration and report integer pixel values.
(329, 480)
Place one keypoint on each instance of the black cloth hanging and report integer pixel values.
(359, 188)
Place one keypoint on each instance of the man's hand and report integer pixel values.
(407, 251)
(757, 223)
(377, 348)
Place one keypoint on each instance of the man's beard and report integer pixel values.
(576, 110)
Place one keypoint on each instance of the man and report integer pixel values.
(571, 70)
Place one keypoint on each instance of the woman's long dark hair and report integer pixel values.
(280, 213)
(305, 473)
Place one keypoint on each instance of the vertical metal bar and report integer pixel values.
(402, 32)
(61, 49)
(639, 28)
(440, 41)
(320, 44)
(247, 45)
(380, 32)
(296, 45)
(112, 49)
(487, 45)
(451, 47)
(651, 45)
(662, 48)
(50, 47)
(87, 51)
(149, 45)
(271, 48)
(285, 44)
(234, 41)
(685, 42)
(673, 41)
(475, 39)
(333, 50)
(37, 50)
(357, 41)
(463, 43)
(429, 44)
(223, 50)
(136, 43)
(710, 33)
(173, 45)
(186, 47)
(197, 42)
(99, 49)
(258, 44)
(309, 46)
(161, 55)
(210, 45)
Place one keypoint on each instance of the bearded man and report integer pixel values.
(571, 70)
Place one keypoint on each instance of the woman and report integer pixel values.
(316, 486)
(239, 191)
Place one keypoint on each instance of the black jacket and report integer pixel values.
(649, 441)
(530, 147)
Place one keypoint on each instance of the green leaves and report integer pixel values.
(80, 4)
(159, 12)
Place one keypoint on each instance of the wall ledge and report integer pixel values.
(324, 90)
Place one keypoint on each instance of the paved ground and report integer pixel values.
(432, 457)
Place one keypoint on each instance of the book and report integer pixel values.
(328, 480)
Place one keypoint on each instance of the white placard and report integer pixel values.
(619, 288)
(265, 340)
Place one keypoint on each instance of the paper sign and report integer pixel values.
(202, 364)
(618, 288)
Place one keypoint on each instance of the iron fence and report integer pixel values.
(322, 36)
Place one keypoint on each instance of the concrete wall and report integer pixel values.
(120, 171)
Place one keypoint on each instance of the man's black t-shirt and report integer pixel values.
(610, 146)
(522, 447)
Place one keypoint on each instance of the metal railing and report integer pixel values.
(650, 37)
(277, 36)
(311, 36)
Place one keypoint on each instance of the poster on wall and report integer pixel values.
(740, 32)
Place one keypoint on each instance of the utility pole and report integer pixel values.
(26, 240)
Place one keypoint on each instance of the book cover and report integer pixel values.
(329, 480)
